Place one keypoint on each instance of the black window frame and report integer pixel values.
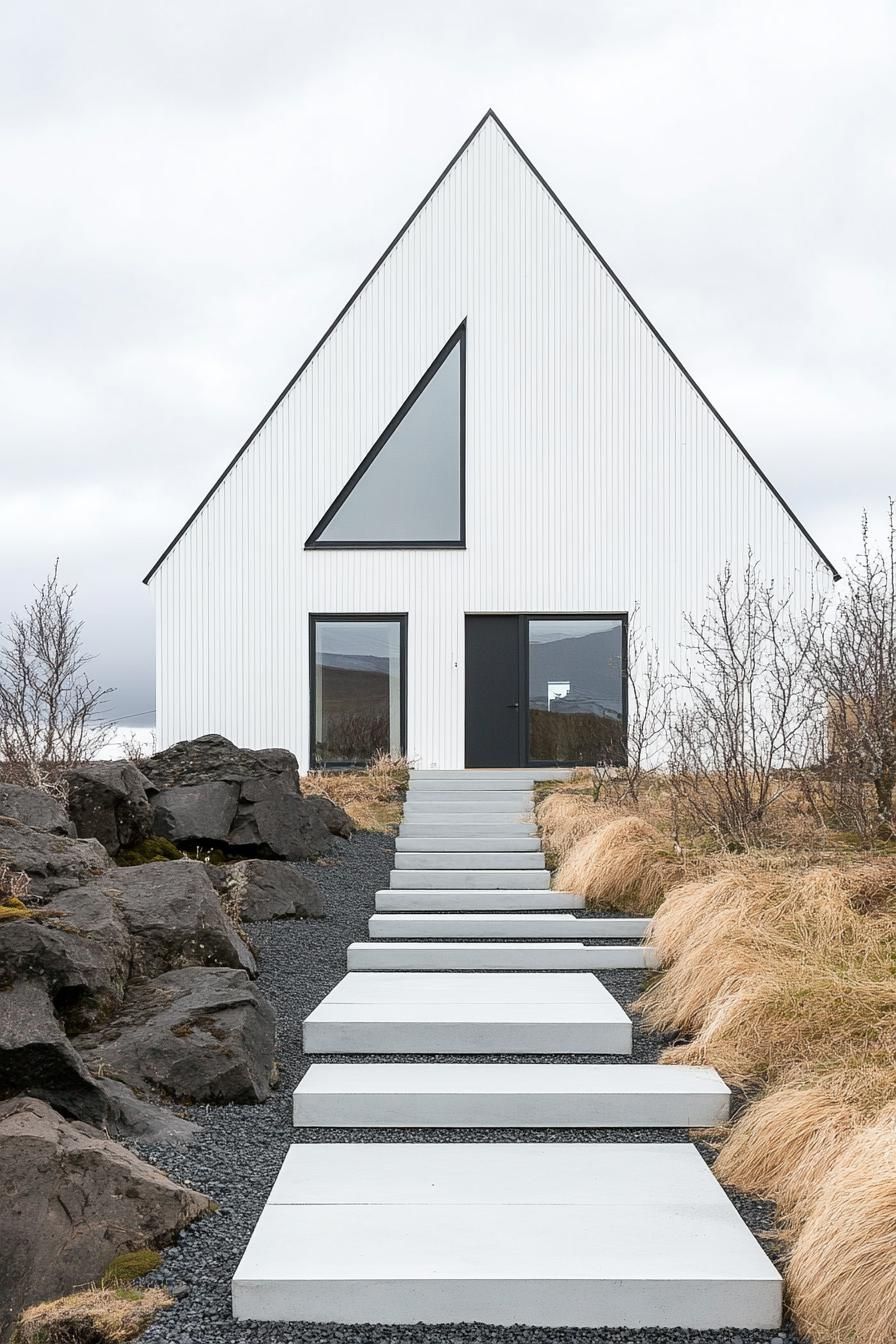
(348, 618)
(314, 542)
(525, 619)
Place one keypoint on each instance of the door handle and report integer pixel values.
(514, 706)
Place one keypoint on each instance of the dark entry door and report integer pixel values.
(492, 663)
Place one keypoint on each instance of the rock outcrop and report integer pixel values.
(35, 808)
(36, 1054)
(79, 947)
(54, 863)
(264, 889)
(201, 1034)
(212, 757)
(174, 917)
(71, 1200)
(335, 818)
(212, 793)
(110, 801)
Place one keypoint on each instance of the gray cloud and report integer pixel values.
(192, 191)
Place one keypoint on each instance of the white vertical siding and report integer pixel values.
(597, 477)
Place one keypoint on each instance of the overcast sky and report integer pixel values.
(193, 188)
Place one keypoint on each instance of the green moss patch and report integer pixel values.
(131, 1265)
(156, 849)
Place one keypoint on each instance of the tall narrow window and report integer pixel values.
(576, 691)
(409, 489)
(357, 688)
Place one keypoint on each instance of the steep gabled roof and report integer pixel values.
(492, 116)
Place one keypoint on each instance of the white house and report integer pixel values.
(432, 540)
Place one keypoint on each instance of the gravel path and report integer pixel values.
(236, 1158)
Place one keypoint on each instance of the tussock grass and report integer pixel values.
(778, 969)
(842, 1271)
(565, 816)
(94, 1316)
(770, 967)
(625, 864)
(788, 1141)
(372, 797)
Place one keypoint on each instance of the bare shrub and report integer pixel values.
(746, 707)
(625, 864)
(13, 885)
(647, 712)
(842, 1271)
(135, 748)
(856, 671)
(49, 706)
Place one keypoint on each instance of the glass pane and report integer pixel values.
(576, 698)
(357, 691)
(411, 490)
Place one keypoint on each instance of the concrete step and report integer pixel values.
(469, 879)
(485, 797)
(525, 772)
(467, 844)
(444, 956)
(454, 786)
(534, 1234)
(566, 1096)
(478, 900)
(468, 1014)
(461, 827)
(466, 812)
(410, 927)
(472, 860)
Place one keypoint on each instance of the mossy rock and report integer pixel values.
(131, 1265)
(155, 849)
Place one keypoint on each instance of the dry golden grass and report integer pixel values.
(565, 816)
(842, 1271)
(94, 1316)
(371, 797)
(625, 864)
(778, 968)
(788, 1141)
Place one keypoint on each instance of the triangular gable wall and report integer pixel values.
(371, 279)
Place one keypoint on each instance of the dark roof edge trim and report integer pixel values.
(671, 353)
(491, 115)
(326, 336)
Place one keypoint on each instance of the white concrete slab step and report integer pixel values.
(485, 797)
(564, 1096)
(516, 901)
(469, 879)
(468, 811)
(462, 828)
(468, 1014)
(467, 844)
(491, 783)
(471, 860)
(414, 926)
(541, 1234)
(444, 956)
(527, 772)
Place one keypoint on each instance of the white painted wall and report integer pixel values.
(597, 477)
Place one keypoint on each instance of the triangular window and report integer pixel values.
(409, 490)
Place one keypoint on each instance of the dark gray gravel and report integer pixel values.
(239, 1153)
